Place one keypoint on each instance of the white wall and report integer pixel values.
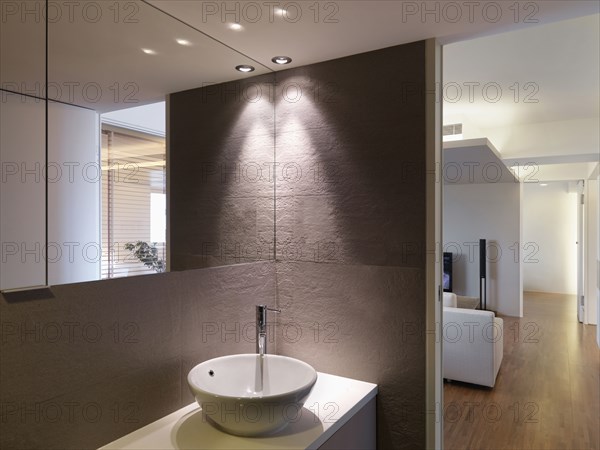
(493, 212)
(73, 194)
(550, 227)
(22, 192)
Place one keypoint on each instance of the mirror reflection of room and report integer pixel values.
(134, 221)
(83, 126)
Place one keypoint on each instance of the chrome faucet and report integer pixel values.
(261, 328)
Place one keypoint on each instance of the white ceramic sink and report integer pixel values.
(250, 395)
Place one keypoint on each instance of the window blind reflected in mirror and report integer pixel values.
(133, 203)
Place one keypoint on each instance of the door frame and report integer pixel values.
(433, 261)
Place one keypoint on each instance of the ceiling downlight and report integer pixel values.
(245, 68)
(281, 60)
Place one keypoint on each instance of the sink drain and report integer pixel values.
(211, 373)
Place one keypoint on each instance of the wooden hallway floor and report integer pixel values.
(547, 394)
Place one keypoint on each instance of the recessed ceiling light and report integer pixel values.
(148, 51)
(235, 26)
(183, 42)
(282, 60)
(543, 184)
(245, 68)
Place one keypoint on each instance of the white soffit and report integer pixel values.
(474, 161)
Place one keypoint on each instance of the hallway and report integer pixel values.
(547, 394)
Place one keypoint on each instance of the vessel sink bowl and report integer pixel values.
(251, 395)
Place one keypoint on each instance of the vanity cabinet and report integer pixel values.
(338, 413)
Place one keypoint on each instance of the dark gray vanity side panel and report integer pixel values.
(359, 433)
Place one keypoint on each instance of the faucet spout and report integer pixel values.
(261, 328)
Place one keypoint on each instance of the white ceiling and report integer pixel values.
(105, 52)
(560, 60)
(111, 53)
(347, 27)
(548, 115)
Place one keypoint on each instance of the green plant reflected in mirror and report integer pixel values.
(147, 254)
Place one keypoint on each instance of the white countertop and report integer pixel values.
(332, 402)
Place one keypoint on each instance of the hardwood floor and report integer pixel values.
(547, 394)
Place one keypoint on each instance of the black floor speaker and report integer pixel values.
(482, 273)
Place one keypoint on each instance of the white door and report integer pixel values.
(580, 251)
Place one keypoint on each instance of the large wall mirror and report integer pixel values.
(84, 178)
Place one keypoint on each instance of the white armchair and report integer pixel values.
(472, 345)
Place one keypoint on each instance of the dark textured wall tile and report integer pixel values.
(360, 322)
(218, 310)
(350, 227)
(88, 333)
(221, 151)
(237, 230)
(348, 150)
(121, 348)
(241, 108)
(350, 191)
(350, 237)
(218, 313)
(236, 167)
(91, 417)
